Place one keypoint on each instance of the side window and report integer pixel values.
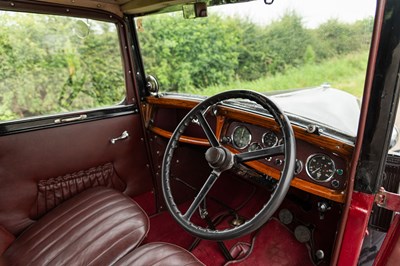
(55, 64)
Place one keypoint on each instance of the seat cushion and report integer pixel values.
(98, 226)
(161, 254)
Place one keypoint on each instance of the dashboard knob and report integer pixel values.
(226, 140)
(335, 183)
(299, 167)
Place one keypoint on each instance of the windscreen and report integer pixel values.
(279, 48)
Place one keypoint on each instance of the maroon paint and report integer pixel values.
(356, 228)
(390, 249)
(379, 16)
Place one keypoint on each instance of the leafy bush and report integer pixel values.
(189, 55)
(47, 68)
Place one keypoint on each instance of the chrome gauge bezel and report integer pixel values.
(276, 139)
(309, 174)
(254, 143)
(299, 167)
(233, 139)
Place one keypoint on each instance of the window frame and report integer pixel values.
(127, 106)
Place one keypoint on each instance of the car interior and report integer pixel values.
(164, 178)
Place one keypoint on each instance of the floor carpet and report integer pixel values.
(275, 245)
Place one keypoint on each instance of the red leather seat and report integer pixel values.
(161, 254)
(97, 227)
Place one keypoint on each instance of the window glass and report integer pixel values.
(52, 64)
(287, 46)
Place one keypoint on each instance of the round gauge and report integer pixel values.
(269, 139)
(255, 146)
(241, 137)
(320, 167)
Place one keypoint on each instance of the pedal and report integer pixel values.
(238, 220)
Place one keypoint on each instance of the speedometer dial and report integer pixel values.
(241, 137)
(269, 139)
(320, 167)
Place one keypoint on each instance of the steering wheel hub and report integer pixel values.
(219, 158)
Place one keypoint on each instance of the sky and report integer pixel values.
(314, 12)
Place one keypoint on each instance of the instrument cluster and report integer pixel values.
(241, 138)
(313, 163)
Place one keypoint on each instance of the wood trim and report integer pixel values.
(147, 113)
(338, 196)
(184, 139)
(110, 7)
(172, 102)
(325, 142)
(220, 122)
(145, 6)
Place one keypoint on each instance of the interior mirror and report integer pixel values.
(196, 10)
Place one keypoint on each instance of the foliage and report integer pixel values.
(52, 64)
(254, 58)
(345, 72)
(46, 67)
(189, 55)
(288, 39)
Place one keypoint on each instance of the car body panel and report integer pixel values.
(324, 105)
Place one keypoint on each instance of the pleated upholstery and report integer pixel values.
(97, 227)
(159, 254)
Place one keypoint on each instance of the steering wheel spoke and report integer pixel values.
(201, 195)
(207, 130)
(259, 154)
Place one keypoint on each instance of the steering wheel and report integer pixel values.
(221, 159)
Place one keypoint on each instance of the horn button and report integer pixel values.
(219, 158)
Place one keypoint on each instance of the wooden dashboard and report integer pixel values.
(226, 119)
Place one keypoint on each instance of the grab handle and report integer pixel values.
(70, 119)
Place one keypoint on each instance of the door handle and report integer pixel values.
(124, 135)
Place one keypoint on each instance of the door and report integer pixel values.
(68, 118)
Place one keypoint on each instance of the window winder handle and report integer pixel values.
(124, 135)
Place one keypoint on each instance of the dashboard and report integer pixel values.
(322, 161)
